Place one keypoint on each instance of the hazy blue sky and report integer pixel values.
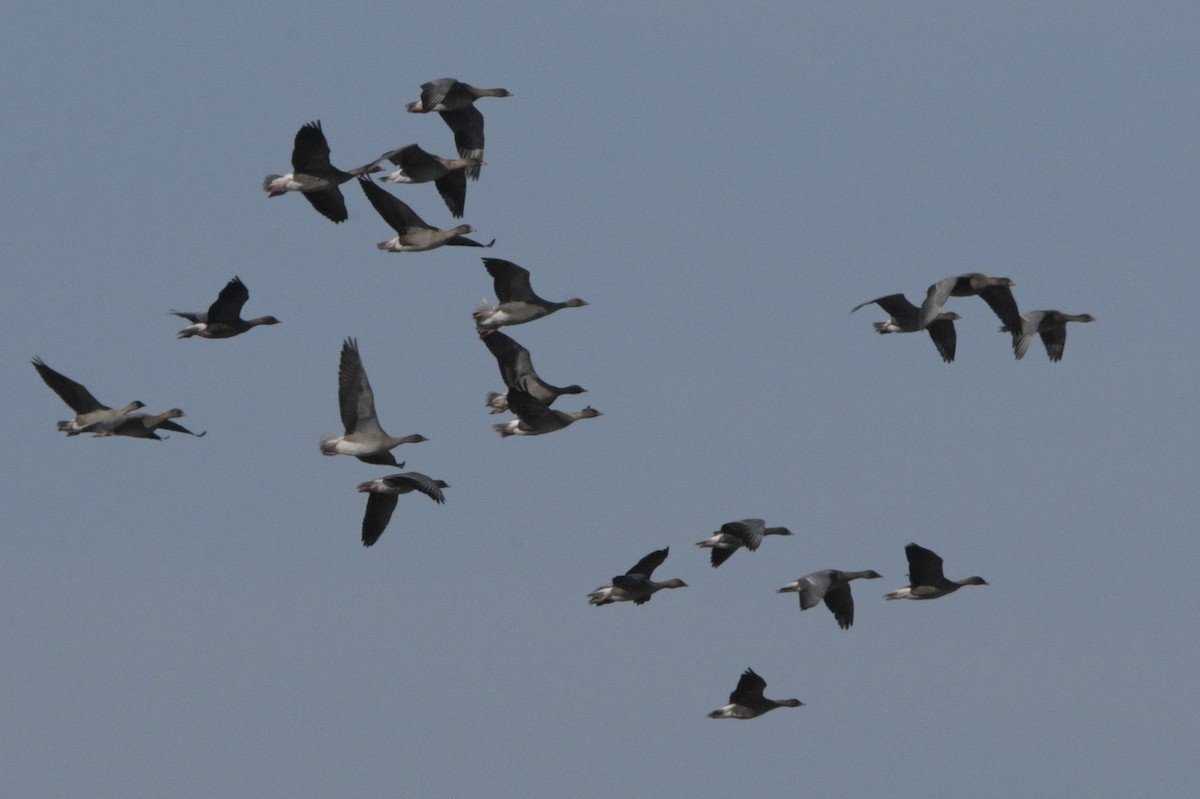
(197, 618)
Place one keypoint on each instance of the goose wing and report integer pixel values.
(467, 125)
(749, 689)
(310, 151)
(227, 308)
(648, 564)
(76, 396)
(375, 520)
(924, 566)
(510, 281)
(394, 211)
(355, 398)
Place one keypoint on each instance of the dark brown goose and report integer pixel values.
(313, 176)
(926, 580)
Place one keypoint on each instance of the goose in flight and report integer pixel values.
(89, 411)
(833, 586)
(363, 437)
(385, 491)
(413, 234)
(905, 318)
(223, 319)
(313, 176)
(535, 418)
(516, 370)
(517, 302)
(448, 175)
(733, 536)
(635, 585)
(747, 700)
(925, 577)
(1050, 325)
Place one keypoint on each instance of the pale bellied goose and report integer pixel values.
(906, 319)
(448, 175)
(1050, 325)
(926, 580)
(455, 101)
(313, 176)
(385, 491)
(635, 585)
(732, 536)
(534, 417)
(747, 700)
(518, 303)
(364, 438)
(88, 410)
(144, 425)
(516, 370)
(223, 319)
(412, 232)
(995, 291)
(834, 587)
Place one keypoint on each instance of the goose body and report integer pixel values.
(413, 234)
(449, 175)
(516, 370)
(518, 303)
(145, 425)
(363, 437)
(89, 411)
(926, 580)
(223, 319)
(385, 491)
(535, 418)
(747, 700)
(314, 176)
(635, 585)
(905, 318)
(733, 536)
(833, 587)
(1050, 325)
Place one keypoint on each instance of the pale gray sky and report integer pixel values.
(196, 617)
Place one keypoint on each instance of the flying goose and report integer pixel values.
(534, 417)
(995, 291)
(455, 101)
(516, 370)
(732, 536)
(313, 176)
(747, 700)
(635, 585)
(925, 577)
(1050, 325)
(223, 319)
(144, 425)
(834, 587)
(88, 410)
(448, 175)
(412, 232)
(384, 491)
(905, 318)
(518, 303)
(364, 438)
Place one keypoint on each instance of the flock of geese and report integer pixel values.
(526, 395)
(831, 586)
(997, 293)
